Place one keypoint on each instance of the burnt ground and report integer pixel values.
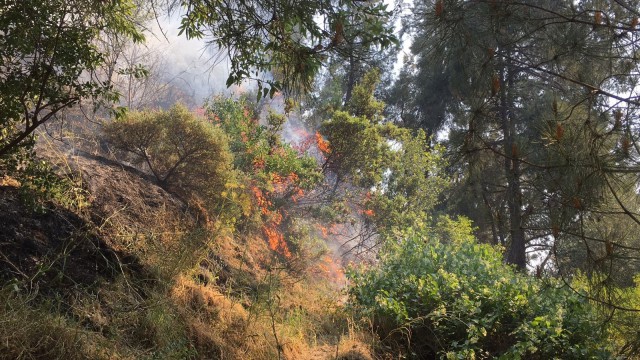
(56, 251)
(59, 250)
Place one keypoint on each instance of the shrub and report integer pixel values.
(460, 301)
(273, 174)
(184, 153)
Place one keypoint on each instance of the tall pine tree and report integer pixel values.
(538, 101)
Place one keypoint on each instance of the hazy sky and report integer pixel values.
(189, 63)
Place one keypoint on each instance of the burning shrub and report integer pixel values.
(184, 153)
(275, 174)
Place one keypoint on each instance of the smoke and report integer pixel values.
(190, 64)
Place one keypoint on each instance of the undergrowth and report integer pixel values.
(195, 291)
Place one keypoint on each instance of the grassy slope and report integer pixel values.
(128, 271)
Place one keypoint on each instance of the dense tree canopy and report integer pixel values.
(539, 104)
(47, 59)
(521, 116)
(288, 39)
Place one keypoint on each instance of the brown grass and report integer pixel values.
(200, 290)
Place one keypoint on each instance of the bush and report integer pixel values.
(274, 174)
(460, 301)
(184, 153)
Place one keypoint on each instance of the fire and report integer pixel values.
(325, 232)
(323, 144)
(283, 185)
(331, 269)
(304, 145)
(298, 193)
(333, 229)
(369, 212)
(273, 219)
(276, 241)
(261, 200)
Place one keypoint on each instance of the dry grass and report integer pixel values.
(200, 290)
(34, 331)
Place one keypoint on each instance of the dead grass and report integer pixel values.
(36, 332)
(197, 290)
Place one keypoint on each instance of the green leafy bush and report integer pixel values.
(623, 319)
(46, 49)
(394, 175)
(184, 153)
(458, 300)
(273, 175)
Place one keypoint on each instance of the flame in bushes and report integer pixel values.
(299, 193)
(322, 144)
(325, 232)
(276, 240)
(274, 218)
(332, 269)
(262, 202)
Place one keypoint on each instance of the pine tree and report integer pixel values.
(538, 101)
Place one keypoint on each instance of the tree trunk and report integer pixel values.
(516, 253)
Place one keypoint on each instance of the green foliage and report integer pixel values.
(399, 175)
(358, 150)
(535, 99)
(623, 325)
(363, 101)
(184, 153)
(47, 49)
(258, 149)
(412, 181)
(285, 37)
(458, 300)
(272, 174)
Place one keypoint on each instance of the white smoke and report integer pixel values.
(190, 64)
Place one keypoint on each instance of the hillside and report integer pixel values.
(128, 270)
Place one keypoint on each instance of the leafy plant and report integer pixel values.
(184, 153)
(395, 172)
(39, 184)
(274, 174)
(285, 38)
(47, 50)
(458, 300)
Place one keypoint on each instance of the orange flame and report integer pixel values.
(262, 201)
(323, 144)
(324, 230)
(276, 241)
(297, 195)
(331, 269)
